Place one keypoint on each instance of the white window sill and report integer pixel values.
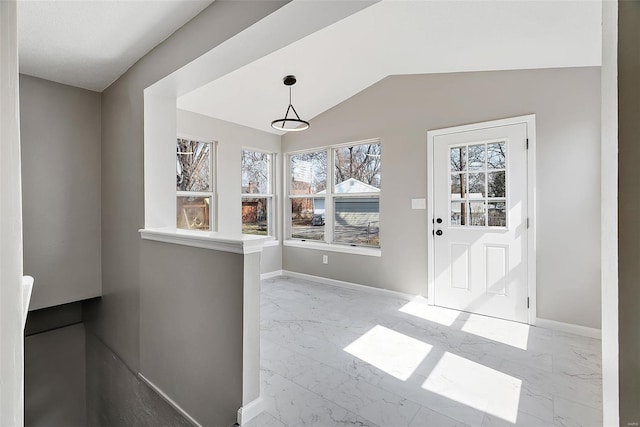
(226, 242)
(356, 250)
(270, 243)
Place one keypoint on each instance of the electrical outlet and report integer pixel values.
(325, 259)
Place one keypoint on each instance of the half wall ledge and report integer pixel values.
(226, 242)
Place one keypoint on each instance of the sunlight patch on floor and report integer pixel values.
(475, 385)
(392, 352)
(510, 333)
(419, 307)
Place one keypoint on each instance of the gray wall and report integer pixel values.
(117, 316)
(60, 127)
(191, 322)
(400, 110)
(232, 138)
(629, 210)
(54, 385)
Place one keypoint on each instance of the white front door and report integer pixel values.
(480, 225)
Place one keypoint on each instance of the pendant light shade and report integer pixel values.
(290, 124)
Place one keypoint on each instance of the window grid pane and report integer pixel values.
(357, 221)
(256, 172)
(193, 165)
(357, 169)
(458, 157)
(308, 173)
(193, 213)
(256, 215)
(307, 218)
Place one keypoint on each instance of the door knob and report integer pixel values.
(438, 232)
(439, 220)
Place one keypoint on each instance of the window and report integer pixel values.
(308, 179)
(478, 184)
(194, 184)
(257, 193)
(341, 207)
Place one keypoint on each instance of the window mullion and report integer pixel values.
(286, 184)
(213, 163)
(329, 210)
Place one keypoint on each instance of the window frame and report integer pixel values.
(212, 193)
(272, 232)
(328, 242)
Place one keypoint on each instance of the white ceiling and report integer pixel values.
(90, 43)
(403, 37)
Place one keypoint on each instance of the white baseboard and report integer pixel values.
(169, 400)
(271, 274)
(250, 411)
(347, 285)
(541, 323)
(569, 327)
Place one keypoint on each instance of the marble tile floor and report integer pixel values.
(334, 357)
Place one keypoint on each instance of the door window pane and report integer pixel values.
(477, 157)
(477, 213)
(357, 220)
(309, 173)
(255, 215)
(458, 186)
(496, 183)
(476, 186)
(193, 212)
(357, 169)
(458, 157)
(458, 213)
(497, 155)
(193, 165)
(497, 214)
(307, 218)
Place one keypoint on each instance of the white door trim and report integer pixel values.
(530, 121)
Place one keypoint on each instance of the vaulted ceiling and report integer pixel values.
(402, 37)
(90, 43)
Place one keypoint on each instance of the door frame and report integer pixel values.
(530, 122)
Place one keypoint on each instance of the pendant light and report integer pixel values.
(291, 124)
